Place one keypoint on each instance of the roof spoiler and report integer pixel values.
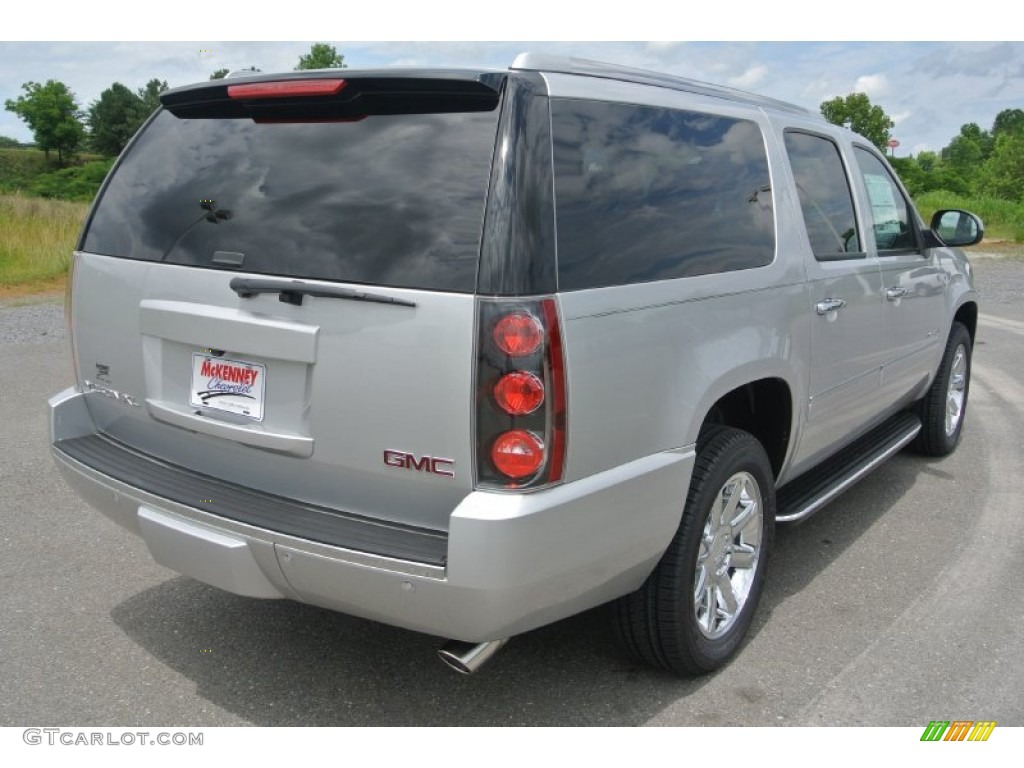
(381, 92)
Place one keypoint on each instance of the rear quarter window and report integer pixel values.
(395, 200)
(825, 197)
(646, 193)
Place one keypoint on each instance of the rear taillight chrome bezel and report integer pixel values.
(541, 362)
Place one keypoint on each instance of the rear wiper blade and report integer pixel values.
(292, 291)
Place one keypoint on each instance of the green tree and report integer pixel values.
(932, 173)
(910, 173)
(114, 118)
(963, 152)
(150, 95)
(857, 113)
(1003, 172)
(966, 152)
(927, 160)
(322, 56)
(220, 74)
(1008, 121)
(6, 142)
(53, 116)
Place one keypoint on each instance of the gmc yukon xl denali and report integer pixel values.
(468, 352)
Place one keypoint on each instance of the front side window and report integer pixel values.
(825, 197)
(646, 193)
(890, 211)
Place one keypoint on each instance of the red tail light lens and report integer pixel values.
(518, 453)
(518, 334)
(283, 89)
(519, 393)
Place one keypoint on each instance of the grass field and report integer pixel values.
(19, 167)
(1004, 219)
(36, 240)
(27, 172)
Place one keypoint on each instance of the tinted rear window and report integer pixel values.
(394, 200)
(646, 193)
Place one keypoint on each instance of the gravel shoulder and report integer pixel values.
(32, 319)
(999, 278)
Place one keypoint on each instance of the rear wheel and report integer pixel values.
(943, 409)
(693, 611)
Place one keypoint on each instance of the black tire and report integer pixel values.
(659, 624)
(935, 437)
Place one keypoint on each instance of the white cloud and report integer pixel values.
(899, 117)
(659, 46)
(750, 78)
(872, 85)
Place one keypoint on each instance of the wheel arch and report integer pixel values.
(762, 406)
(967, 315)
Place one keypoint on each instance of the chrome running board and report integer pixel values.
(807, 494)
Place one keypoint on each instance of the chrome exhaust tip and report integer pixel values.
(467, 658)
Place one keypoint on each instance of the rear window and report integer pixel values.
(394, 200)
(645, 193)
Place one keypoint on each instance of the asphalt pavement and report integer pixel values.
(900, 603)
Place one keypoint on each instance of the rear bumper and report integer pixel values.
(513, 561)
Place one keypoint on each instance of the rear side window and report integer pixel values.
(645, 193)
(825, 197)
(394, 200)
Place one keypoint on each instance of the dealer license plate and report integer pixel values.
(234, 386)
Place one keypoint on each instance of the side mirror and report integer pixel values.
(957, 228)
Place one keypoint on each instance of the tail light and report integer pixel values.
(518, 334)
(282, 89)
(517, 453)
(520, 394)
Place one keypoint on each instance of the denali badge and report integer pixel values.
(113, 394)
(400, 459)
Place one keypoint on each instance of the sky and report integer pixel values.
(929, 89)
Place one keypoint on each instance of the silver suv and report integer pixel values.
(468, 352)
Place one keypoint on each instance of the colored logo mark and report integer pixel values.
(958, 730)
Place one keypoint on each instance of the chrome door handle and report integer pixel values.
(829, 305)
(896, 293)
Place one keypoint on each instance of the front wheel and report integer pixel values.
(693, 611)
(943, 409)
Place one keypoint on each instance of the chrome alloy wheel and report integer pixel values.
(727, 559)
(955, 391)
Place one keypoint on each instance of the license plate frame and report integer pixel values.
(228, 385)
